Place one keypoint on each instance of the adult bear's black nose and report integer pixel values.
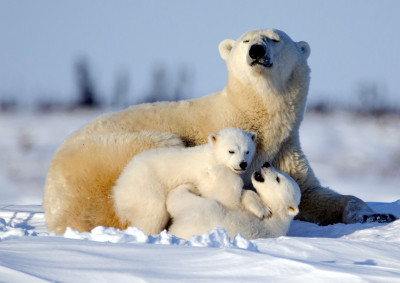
(266, 165)
(243, 165)
(256, 51)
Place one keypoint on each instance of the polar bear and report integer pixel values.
(195, 215)
(266, 92)
(142, 188)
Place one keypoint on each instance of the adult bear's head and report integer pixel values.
(266, 58)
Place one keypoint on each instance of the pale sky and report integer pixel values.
(351, 42)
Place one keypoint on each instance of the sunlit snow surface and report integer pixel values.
(349, 154)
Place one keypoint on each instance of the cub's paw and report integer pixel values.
(267, 213)
(378, 217)
(252, 203)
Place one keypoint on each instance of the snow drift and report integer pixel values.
(352, 155)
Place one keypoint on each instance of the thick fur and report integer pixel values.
(195, 215)
(140, 192)
(102, 157)
(267, 96)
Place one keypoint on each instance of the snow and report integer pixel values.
(353, 155)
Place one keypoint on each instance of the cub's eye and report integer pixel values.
(246, 41)
(275, 40)
(277, 179)
(247, 152)
(231, 152)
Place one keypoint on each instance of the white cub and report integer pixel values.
(141, 190)
(195, 215)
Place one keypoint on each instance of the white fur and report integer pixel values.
(195, 215)
(269, 100)
(141, 190)
(283, 52)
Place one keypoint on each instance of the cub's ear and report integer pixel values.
(293, 210)
(225, 48)
(254, 136)
(212, 138)
(304, 48)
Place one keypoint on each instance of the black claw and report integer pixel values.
(380, 218)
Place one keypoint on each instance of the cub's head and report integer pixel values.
(233, 148)
(278, 190)
(270, 54)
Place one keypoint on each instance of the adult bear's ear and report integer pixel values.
(253, 136)
(212, 138)
(304, 48)
(225, 48)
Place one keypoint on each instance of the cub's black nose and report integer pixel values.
(243, 165)
(256, 51)
(266, 165)
(258, 177)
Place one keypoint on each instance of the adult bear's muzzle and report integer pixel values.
(258, 55)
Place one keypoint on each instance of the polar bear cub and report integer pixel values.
(194, 215)
(141, 190)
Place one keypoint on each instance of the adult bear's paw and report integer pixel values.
(378, 217)
(357, 211)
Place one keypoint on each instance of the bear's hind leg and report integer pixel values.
(82, 173)
(139, 200)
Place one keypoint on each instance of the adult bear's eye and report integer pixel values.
(246, 41)
(231, 152)
(277, 179)
(275, 40)
(247, 152)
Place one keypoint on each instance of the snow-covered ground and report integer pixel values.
(349, 154)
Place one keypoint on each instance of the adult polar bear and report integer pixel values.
(268, 79)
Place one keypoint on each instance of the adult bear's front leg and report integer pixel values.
(319, 204)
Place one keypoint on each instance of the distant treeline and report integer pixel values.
(370, 97)
(162, 88)
(371, 100)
